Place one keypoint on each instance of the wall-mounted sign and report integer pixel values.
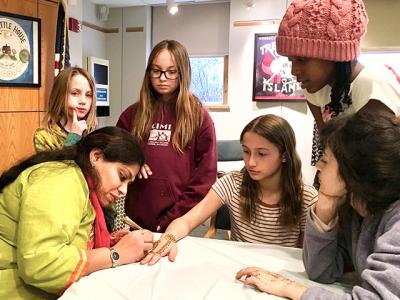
(272, 77)
(19, 50)
(99, 68)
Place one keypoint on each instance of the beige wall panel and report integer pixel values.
(16, 130)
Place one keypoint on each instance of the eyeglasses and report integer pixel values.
(169, 74)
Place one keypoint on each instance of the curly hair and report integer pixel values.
(366, 146)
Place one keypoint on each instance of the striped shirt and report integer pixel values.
(266, 227)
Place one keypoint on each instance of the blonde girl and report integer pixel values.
(71, 111)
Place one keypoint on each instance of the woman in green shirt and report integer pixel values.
(52, 226)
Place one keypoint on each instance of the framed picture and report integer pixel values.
(272, 77)
(19, 50)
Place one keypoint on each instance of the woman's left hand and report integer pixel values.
(116, 236)
(271, 283)
(166, 245)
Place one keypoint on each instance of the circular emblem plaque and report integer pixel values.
(14, 49)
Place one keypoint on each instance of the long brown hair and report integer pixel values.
(188, 107)
(57, 105)
(279, 132)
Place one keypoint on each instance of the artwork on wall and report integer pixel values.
(272, 77)
(19, 50)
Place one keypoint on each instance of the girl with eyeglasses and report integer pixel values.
(177, 136)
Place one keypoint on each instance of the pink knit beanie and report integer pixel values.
(324, 29)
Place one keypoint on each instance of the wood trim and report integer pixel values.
(226, 63)
(134, 29)
(98, 28)
(222, 107)
(256, 23)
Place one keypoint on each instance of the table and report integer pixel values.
(203, 269)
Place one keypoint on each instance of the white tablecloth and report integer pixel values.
(203, 269)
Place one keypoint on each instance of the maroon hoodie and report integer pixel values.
(179, 180)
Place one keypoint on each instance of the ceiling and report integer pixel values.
(126, 3)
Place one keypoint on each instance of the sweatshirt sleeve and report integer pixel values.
(325, 253)
(379, 279)
(52, 208)
(203, 176)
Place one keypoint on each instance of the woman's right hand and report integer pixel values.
(166, 245)
(134, 245)
(145, 172)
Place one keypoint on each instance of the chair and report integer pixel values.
(230, 157)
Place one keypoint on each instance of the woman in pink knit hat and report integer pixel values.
(322, 40)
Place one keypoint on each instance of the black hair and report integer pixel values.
(340, 98)
(366, 146)
(116, 144)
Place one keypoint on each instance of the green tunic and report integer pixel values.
(45, 225)
(53, 138)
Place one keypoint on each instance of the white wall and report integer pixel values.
(135, 49)
(75, 38)
(126, 52)
(202, 28)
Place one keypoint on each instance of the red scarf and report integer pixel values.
(101, 234)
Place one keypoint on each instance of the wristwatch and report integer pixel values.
(114, 257)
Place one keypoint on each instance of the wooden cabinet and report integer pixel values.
(21, 108)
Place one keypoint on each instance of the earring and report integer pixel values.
(92, 163)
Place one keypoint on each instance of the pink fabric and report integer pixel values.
(323, 29)
(101, 234)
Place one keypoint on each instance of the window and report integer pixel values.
(209, 80)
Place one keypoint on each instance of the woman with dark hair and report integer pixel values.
(53, 229)
(322, 40)
(356, 220)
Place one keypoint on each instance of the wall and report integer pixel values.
(124, 40)
(384, 26)
(75, 38)
(202, 28)
(21, 108)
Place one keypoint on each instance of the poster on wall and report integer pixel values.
(272, 77)
(19, 50)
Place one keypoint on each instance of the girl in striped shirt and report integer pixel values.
(267, 199)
